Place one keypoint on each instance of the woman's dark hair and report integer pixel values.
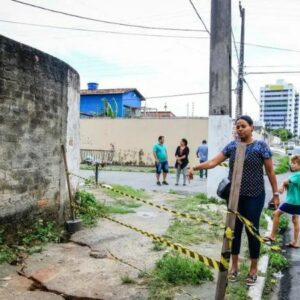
(184, 141)
(245, 118)
(160, 138)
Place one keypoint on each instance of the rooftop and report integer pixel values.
(111, 91)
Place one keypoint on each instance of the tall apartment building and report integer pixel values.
(279, 106)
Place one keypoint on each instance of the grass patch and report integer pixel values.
(173, 270)
(30, 239)
(126, 279)
(263, 223)
(139, 193)
(238, 290)
(283, 165)
(283, 223)
(194, 203)
(89, 209)
(191, 232)
(158, 246)
(278, 262)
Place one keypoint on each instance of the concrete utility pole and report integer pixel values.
(239, 98)
(220, 123)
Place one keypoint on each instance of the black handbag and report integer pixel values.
(223, 190)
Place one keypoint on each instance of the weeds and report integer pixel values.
(194, 203)
(29, 240)
(175, 270)
(89, 209)
(191, 232)
(278, 262)
(158, 246)
(283, 165)
(127, 190)
(238, 290)
(126, 279)
(263, 223)
(283, 223)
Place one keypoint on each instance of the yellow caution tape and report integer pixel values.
(177, 247)
(248, 224)
(161, 207)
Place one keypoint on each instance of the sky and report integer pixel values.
(159, 66)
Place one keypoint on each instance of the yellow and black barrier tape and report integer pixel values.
(161, 207)
(219, 266)
(248, 224)
(181, 249)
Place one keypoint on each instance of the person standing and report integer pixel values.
(202, 154)
(161, 160)
(182, 160)
(291, 205)
(252, 193)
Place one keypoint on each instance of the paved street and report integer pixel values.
(147, 181)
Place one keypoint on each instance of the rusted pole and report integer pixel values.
(230, 219)
(68, 182)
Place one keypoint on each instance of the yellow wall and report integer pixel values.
(130, 136)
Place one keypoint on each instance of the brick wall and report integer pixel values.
(37, 92)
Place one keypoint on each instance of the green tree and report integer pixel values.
(283, 134)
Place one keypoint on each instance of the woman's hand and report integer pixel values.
(190, 173)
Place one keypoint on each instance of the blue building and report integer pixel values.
(121, 103)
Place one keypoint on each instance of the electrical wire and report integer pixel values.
(235, 46)
(106, 21)
(271, 47)
(275, 72)
(251, 91)
(274, 66)
(103, 31)
(197, 13)
(178, 95)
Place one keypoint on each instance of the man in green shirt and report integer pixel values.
(161, 160)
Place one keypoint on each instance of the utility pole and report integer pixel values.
(239, 98)
(219, 122)
(220, 110)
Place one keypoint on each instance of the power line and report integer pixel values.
(272, 47)
(251, 91)
(103, 31)
(276, 72)
(178, 95)
(235, 47)
(106, 21)
(196, 11)
(273, 66)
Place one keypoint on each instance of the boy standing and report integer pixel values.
(161, 160)
(292, 204)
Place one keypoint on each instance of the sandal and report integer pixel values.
(291, 245)
(251, 279)
(232, 276)
(269, 239)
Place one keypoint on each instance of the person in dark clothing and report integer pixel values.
(182, 160)
(252, 193)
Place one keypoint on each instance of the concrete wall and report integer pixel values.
(39, 94)
(133, 138)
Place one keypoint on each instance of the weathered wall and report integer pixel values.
(133, 138)
(38, 94)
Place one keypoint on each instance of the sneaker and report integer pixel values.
(184, 184)
(251, 279)
(158, 183)
(165, 183)
(232, 276)
(176, 183)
